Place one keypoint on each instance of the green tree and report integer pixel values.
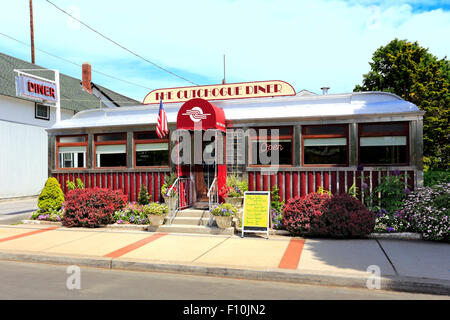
(411, 72)
(51, 197)
(143, 197)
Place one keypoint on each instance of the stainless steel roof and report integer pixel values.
(246, 110)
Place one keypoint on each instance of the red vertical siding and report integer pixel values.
(302, 183)
(265, 182)
(295, 185)
(258, 181)
(251, 181)
(138, 184)
(280, 185)
(318, 182)
(326, 181)
(333, 182)
(287, 185)
(310, 182)
(341, 182)
(410, 180)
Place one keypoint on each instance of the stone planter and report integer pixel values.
(156, 220)
(223, 222)
(171, 202)
(235, 202)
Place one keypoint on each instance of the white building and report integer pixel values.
(23, 138)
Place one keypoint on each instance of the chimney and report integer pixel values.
(325, 90)
(86, 72)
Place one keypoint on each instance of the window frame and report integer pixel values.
(404, 132)
(149, 141)
(280, 137)
(72, 144)
(115, 142)
(36, 104)
(325, 136)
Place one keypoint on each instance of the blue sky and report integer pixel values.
(309, 44)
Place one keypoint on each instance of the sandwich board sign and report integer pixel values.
(256, 212)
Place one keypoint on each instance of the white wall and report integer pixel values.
(23, 147)
(22, 111)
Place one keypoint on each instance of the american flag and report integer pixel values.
(162, 128)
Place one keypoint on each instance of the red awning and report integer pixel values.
(199, 114)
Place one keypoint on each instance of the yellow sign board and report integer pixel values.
(257, 89)
(256, 212)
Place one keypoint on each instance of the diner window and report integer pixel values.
(383, 143)
(271, 146)
(325, 145)
(110, 150)
(150, 150)
(72, 151)
(41, 111)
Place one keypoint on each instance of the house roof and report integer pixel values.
(73, 96)
(289, 108)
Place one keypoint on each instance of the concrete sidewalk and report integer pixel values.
(414, 266)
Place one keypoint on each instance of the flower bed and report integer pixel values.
(427, 211)
(135, 213)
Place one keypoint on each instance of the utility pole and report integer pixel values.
(32, 31)
(224, 80)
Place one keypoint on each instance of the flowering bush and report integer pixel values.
(427, 209)
(397, 222)
(301, 214)
(224, 209)
(50, 215)
(345, 217)
(277, 219)
(159, 209)
(133, 213)
(234, 187)
(276, 209)
(92, 207)
(168, 182)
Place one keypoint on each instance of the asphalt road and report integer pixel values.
(49, 282)
(13, 211)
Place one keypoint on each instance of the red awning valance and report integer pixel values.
(199, 114)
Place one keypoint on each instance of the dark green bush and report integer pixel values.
(432, 178)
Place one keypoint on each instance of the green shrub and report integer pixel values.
(72, 186)
(143, 197)
(432, 178)
(51, 197)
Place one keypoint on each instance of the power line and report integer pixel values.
(119, 45)
(74, 63)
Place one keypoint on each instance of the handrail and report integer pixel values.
(213, 197)
(172, 211)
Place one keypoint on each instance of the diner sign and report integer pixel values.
(35, 89)
(256, 212)
(258, 89)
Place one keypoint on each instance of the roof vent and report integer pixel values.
(325, 90)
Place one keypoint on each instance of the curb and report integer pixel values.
(396, 236)
(402, 284)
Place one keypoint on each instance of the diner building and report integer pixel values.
(328, 141)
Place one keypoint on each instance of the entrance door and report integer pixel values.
(204, 174)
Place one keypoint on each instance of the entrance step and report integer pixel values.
(197, 213)
(203, 205)
(181, 228)
(192, 221)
